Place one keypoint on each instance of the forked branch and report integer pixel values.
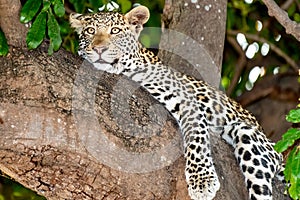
(282, 17)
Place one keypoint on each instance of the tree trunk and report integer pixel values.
(14, 31)
(66, 128)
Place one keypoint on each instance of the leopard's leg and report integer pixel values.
(280, 174)
(200, 172)
(256, 157)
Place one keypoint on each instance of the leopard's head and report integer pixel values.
(106, 37)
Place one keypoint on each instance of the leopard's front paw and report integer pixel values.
(202, 186)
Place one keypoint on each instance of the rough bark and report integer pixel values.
(199, 42)
(291, 27)
(14, 31)
(51, 111)
(42, 146)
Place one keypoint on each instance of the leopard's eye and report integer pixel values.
(115, 30)
(90, 30)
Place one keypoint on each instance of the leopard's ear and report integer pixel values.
(138, 15)
(136, 18)
(75, 21)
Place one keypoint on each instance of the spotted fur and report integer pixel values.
(110, 42)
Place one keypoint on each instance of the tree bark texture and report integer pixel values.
(200, 47)
(14, 31)
(53, 108)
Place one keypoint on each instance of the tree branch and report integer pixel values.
(271, 86)
(10, 22)
(240, 64)
(286, 4)
(282, 17)
(273, 47)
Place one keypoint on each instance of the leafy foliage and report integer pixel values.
(3, 44)
(41, 13)
(252, 21)
(36, 33)
(292, 168)
(288, 139)
(293, 116)
(29, 10)
(50, 21)
(54, 33)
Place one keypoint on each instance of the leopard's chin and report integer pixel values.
(101, 61)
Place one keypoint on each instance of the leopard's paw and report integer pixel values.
(202, 186)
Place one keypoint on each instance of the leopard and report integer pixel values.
(110, 41)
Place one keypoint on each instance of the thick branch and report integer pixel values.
(14, 31)
(201, 41)
(282, 17)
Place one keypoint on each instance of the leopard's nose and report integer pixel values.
(100, 49)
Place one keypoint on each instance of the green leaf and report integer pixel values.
(78, 5)
(59, 8)
(294, 188)
(53, 32)
(288, 139)
(3, 44)
(65, 28)
(296, 163)
(50, 49)
(293, 116)
(96, 3)
(282, 145)
(292, 134)
(37, 31)
(29, 10)
(293, 164)
(46, 6)
(288, 167)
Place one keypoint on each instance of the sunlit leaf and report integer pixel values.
(288, 139)
(46, 5)
(37, 31)
(283, 145)
(288, 167)
(292, 134)
(3, 44)
(293, 164)
(296, 163)
(29, 10)
(293, 116)
(294, 188)
(53, 32)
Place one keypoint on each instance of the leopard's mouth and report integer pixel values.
(101, 60)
